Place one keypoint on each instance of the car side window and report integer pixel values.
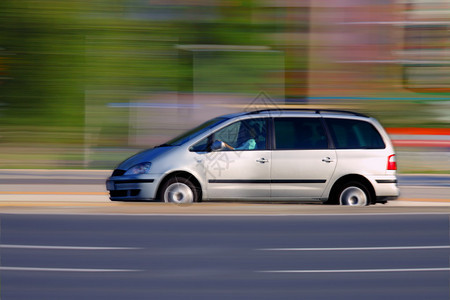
(354, 134)
(300, 133)
(201, 146)
(250, 134)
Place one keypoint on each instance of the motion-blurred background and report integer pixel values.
(86, 83)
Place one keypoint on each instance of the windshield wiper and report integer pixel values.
(164, 145)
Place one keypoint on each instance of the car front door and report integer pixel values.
(302, 162)
(240, 169)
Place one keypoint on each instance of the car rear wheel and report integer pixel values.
(179, 190)
(353, 194)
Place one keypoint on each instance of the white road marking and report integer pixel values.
(44, 247)
(65, 269)
(357, 270)
(359, 248)
(8, 246)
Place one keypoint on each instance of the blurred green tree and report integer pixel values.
(44, 44)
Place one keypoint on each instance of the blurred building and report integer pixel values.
(95, 79)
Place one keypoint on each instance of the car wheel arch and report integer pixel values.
(183, 174)
(350, 178)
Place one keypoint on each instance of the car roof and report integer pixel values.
(297, 111)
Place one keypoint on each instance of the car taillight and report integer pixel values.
(391, 164)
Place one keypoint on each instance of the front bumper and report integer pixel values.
(126, 189)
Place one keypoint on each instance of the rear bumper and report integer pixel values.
(386, 188)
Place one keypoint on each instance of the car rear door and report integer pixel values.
(302, 161)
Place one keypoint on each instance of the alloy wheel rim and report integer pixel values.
(178, 193)
(353, 196)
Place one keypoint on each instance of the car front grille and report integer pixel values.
(124, 193)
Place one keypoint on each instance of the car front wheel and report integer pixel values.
(179, 190)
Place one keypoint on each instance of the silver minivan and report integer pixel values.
(329, 156)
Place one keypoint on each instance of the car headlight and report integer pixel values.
(142, 168)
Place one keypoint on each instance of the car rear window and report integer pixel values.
(354, 134)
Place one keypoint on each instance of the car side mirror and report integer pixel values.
(217, 145)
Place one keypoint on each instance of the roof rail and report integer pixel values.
(317, 111)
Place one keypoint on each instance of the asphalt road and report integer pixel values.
(225, 257)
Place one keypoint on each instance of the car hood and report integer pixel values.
(144, 156)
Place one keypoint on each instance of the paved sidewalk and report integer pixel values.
(89, 186)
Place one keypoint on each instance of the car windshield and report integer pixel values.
(189, 135)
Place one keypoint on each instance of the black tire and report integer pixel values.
(179, 190)
(352, 193)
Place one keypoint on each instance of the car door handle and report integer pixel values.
(262, 160)
(327, 160)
